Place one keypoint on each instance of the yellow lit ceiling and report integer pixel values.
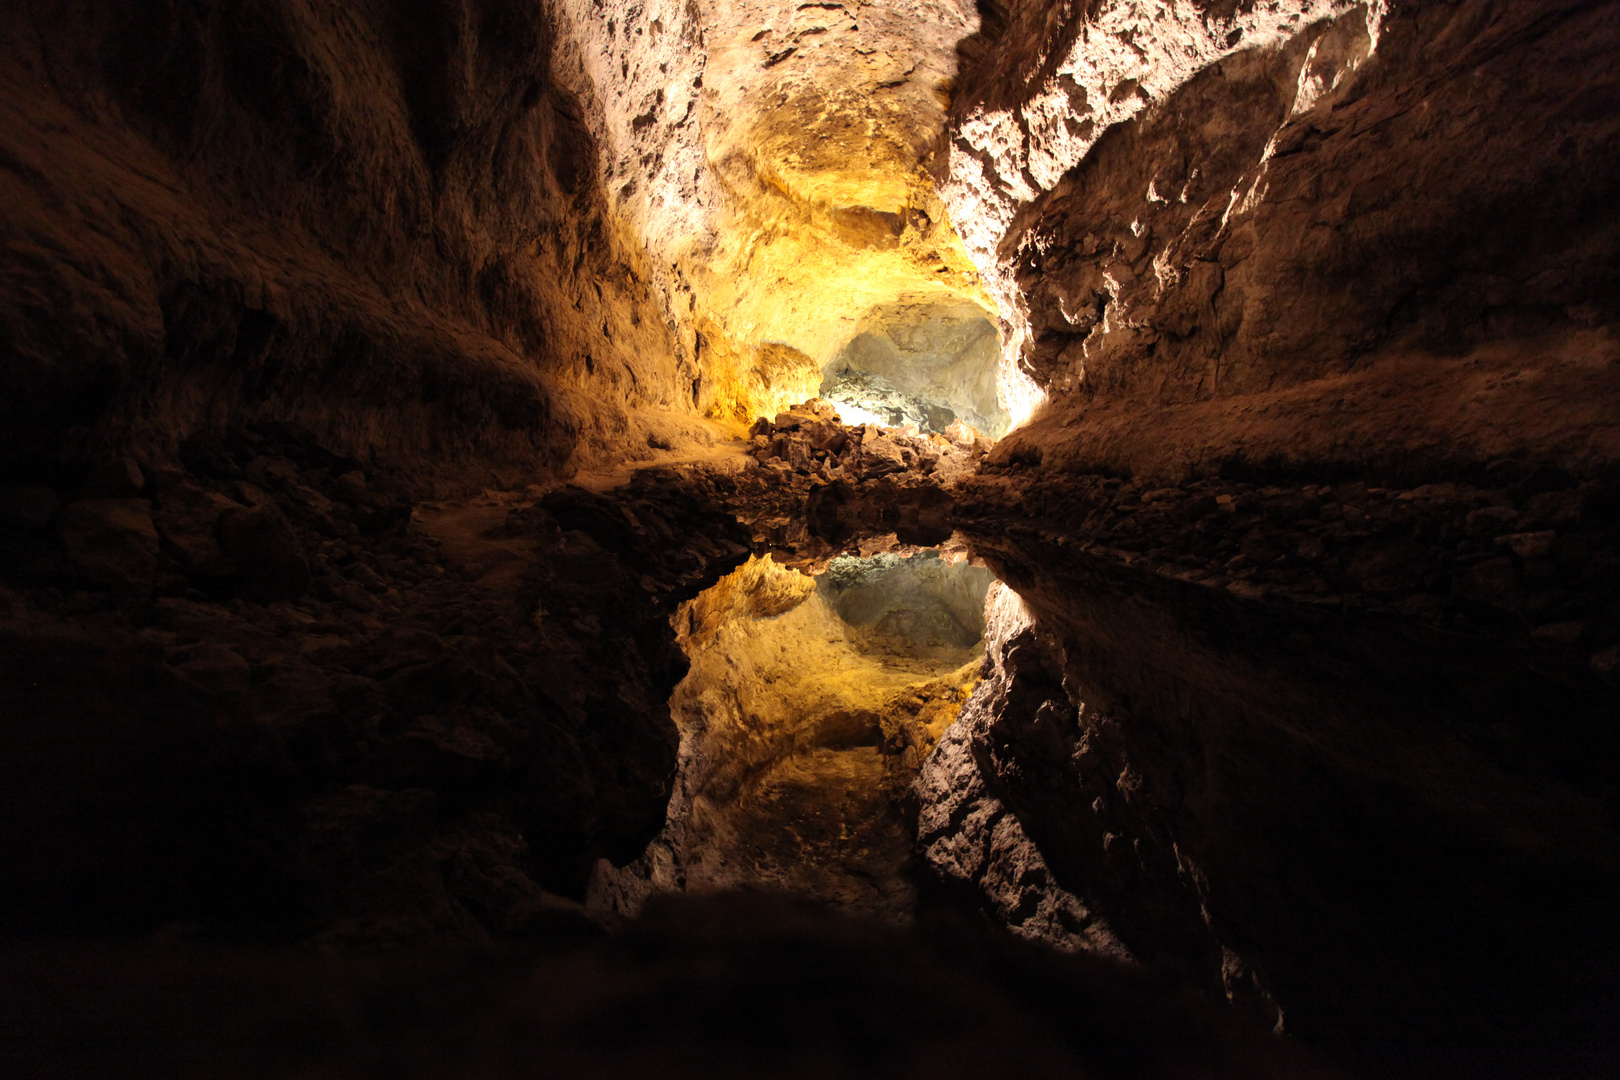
(816, 120)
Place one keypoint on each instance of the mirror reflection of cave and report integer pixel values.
(810, 705)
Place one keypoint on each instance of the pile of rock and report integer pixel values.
(824, 488)
(809, 439)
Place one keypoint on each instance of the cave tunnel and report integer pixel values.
(927, 366)
(904, 538)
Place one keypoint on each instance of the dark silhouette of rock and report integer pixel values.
(110, 543)
(270, 561)
(118, 479)
(188, 519)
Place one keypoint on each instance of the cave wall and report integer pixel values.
(1360, 237)
(808, 708)
(1302, 300)
(380, 220)
(935, 363)
(768, 157)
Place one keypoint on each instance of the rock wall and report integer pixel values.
(1396, 840)
(768, 156)
(807, 711)
(265, 697)
(1311, 307)
(1041, 85)
(379, 220)
(976, 851)
(935, 364)
(1323, 244)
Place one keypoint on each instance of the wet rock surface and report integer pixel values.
(825, 487)
(807, 713)
(1174, 756)
(292, 709)
(1526, 560)
(1300, 694)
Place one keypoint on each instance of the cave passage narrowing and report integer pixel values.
(790, 215)
(809, 708)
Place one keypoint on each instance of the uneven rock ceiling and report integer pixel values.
(769, 158)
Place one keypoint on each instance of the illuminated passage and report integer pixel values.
(927, 364)
(809, 707)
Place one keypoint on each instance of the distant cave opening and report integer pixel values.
(808, 710)
(929, 365)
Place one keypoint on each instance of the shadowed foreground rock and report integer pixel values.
(746, 985)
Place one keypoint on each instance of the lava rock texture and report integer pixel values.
(379, 221)
(325, 620)
(1309, 690)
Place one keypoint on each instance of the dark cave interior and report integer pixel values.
(878, 538)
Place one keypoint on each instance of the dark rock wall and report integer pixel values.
(379, 219)
(323, 716)
(1314, 698)
(1290, 256)
(1396, 838)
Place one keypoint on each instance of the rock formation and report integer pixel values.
(473, 469)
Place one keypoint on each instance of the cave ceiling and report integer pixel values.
(771, 157)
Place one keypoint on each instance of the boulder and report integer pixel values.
(827, 435)
(216, 670)
(350, 487)
(961, 435)
(110, 543)
(119, 479)
(880, 456)
(261, 541)
(1529, 545)
(187, 522)
(1494, 582)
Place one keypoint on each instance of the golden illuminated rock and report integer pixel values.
(809, 707)
(770, 156)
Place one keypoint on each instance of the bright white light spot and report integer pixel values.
(1019, 394)
(854, 415)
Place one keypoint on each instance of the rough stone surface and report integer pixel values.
(1306, 309)
(188, 519)
(972, 844)
(768, 155)
(1276, 243)
(807, 711)
(931, 365)
(110, 543)
(267, 552)
(445, 729)
(395, 204)
(1175, 754)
